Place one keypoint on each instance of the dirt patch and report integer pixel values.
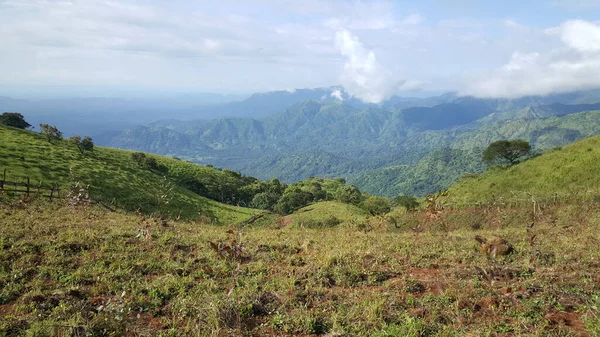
(569, 320)
(6, 309)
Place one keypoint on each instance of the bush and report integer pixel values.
(194, 186)
(348, 195)
(293, 200)
(14, 119)
(264, 200)
(408, 202)
(138, 157)
(376, 205)
(51, 132)
(85, 144)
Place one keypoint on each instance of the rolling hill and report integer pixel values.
(113, 176)
(568, 173)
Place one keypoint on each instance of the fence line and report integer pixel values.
(28, 188)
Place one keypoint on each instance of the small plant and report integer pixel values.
(164, 193)
(230, 251)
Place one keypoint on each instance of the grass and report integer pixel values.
(114, 177)
(78, 271)
(318, 213)
(568, 173)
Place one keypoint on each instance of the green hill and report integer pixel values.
(318, 213)
(564, 172)
(439, 169)
(113, 176)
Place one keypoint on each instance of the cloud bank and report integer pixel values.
(575, 65)
(363, 76)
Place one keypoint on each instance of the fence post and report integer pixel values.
(2, 181)
(27, 187)
(51, 192)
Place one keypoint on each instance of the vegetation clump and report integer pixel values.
(506, 151)
(15, 120)
(51, 132)
(84, 145)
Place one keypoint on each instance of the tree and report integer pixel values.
(51, 132)
(408, 202)
(292, 200)
(76, 139)
(348, 195)
(264, 200)
(85, 144)
(14, 119)
(506, 151)
(376, 205)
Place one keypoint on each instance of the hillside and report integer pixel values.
(568, 172)
(115, 178)
(89, 272)
(439, 169)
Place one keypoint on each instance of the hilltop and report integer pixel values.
(564, 172)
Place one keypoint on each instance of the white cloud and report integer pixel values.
(337, 94)
(583, 36)
(363, 76)
(573, 66)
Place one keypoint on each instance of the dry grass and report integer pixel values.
(81, 271)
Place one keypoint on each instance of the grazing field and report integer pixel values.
(564, 174)
(83, 271)
(113, 177)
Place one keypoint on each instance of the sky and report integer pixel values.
(375, 49)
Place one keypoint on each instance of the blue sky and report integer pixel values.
(375, 49)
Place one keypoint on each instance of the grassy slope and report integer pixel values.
(322, 210)
(85, 271)
(567, 171)
(111, 173)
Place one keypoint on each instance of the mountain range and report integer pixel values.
(402, 146)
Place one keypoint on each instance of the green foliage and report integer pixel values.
(506, 151)
(85, 144)
(114, 177)
(376, 205)
(373, 148)
(293, 199)
(51, 132)
(14, 119)
(554, 175)
(348, 195)
(410, 203)
(139, 157)
(264, 200)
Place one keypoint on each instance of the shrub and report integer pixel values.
(14, 119)
(51, 132)
(376, 205)
(408, 202)
(264, 200)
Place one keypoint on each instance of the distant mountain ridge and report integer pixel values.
(380, 148)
